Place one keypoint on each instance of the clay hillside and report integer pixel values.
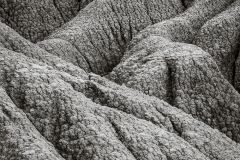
(119, 80)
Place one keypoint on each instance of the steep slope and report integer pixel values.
(35, 19)
(18, 137)
(105, 28)
(170, 89)
(224, 49)
(159, 64)
(56, 103)
(13, 41)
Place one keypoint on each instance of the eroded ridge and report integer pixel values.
(97, 119)
(169, 92)
(220, 37)
(35, 19)
(160, 63)
(19, 139)
(101, 31)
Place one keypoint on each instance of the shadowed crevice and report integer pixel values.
(170, 83)
(121, 138)
(59, 11)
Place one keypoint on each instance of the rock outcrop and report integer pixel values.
(105, 28)
(35, 19)
(160, 63)
(134, 80)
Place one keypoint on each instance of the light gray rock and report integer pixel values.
(220, 37)
(167, 92)
(19, 139)
(102, 30)
(160, 63)
(35, 19)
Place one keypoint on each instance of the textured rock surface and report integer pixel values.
(105, 28)
(19, 139)
(170, 89)
(159, 64)
(224, 49)
(35, 19)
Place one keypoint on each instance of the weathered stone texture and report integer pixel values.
(134, 80)
(35, 19)
(101, 31)
(158, 63)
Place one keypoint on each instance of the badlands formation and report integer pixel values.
(119, 79)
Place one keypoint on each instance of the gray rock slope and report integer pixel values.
(35, 19)
(134, 80)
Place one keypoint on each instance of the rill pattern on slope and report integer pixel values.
(170, 89)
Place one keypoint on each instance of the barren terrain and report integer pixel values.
(119, 79)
